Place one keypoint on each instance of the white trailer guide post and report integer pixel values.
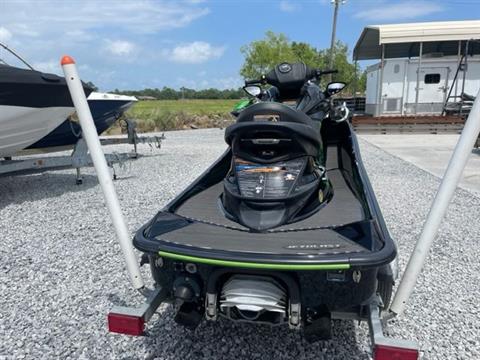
(98, 157)
(132, 320)
(450, 180)
(124, 320)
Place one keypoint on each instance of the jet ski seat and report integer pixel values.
(272, 132)
(276, 169)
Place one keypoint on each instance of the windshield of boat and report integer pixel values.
(9, 57)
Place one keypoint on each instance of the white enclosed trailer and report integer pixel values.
(400, 80)
(422, 66)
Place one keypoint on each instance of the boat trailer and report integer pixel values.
(79, 157)
(132, 320)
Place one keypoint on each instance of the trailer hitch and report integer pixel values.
(387, 348)
(132, 320)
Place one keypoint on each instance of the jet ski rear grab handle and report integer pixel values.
(156, 296)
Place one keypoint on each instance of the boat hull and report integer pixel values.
(22, 126)
(32, 104)
(104, 112)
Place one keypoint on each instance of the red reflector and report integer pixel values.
(382, 352)
(125, 324)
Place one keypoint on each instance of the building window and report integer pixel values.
(396, 68)
(432, 78)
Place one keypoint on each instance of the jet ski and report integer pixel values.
(284, 228)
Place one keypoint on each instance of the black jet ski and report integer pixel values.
(284, 227)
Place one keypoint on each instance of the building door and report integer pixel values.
(433, 89)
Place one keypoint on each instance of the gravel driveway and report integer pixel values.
(61, 268)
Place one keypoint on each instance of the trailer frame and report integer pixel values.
(79, 158)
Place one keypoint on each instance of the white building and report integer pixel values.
(440, 47)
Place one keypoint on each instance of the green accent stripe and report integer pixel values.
(252, 265)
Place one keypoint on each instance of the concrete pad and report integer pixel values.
(430, 153)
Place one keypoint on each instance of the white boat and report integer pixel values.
(32, 104)
(105, 108)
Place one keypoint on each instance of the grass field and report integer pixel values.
(159, 115)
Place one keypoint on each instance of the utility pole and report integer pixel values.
(336, 3)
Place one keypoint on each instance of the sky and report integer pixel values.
(127, 44)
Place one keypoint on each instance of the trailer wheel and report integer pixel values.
(385, 289)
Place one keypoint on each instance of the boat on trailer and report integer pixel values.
(32, 104)
(106, 109)
(37, 116)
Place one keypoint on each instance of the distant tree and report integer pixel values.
(309, 55)
(262, 55)
(92, 85)
(346, 69)
(362, 81)
(167, 93)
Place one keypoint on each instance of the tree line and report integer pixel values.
(261, 56)
(167, 93)
(275, 48)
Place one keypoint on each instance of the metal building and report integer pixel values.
(424, 68)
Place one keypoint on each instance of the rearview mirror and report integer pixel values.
(335, 87)
(253, 90)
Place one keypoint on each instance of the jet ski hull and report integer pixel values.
(336, 258)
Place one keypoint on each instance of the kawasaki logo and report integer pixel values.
(313, 246)
(285, 68)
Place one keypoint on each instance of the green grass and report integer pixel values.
(160, 115)
(198, 107)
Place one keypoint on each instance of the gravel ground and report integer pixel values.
(61, 268)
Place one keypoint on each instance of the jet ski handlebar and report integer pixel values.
(262, 80)
(325, 72)
(309, 74)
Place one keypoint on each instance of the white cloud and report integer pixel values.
(222, 83)
(188, 83)
(39, 30)
(120, 47)
(5, 34)
(49, 66)
(24, 29)
(399, 11)
(288, 6)
(196, 52)
(78, 36)
(231, 82)
(33, 17)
